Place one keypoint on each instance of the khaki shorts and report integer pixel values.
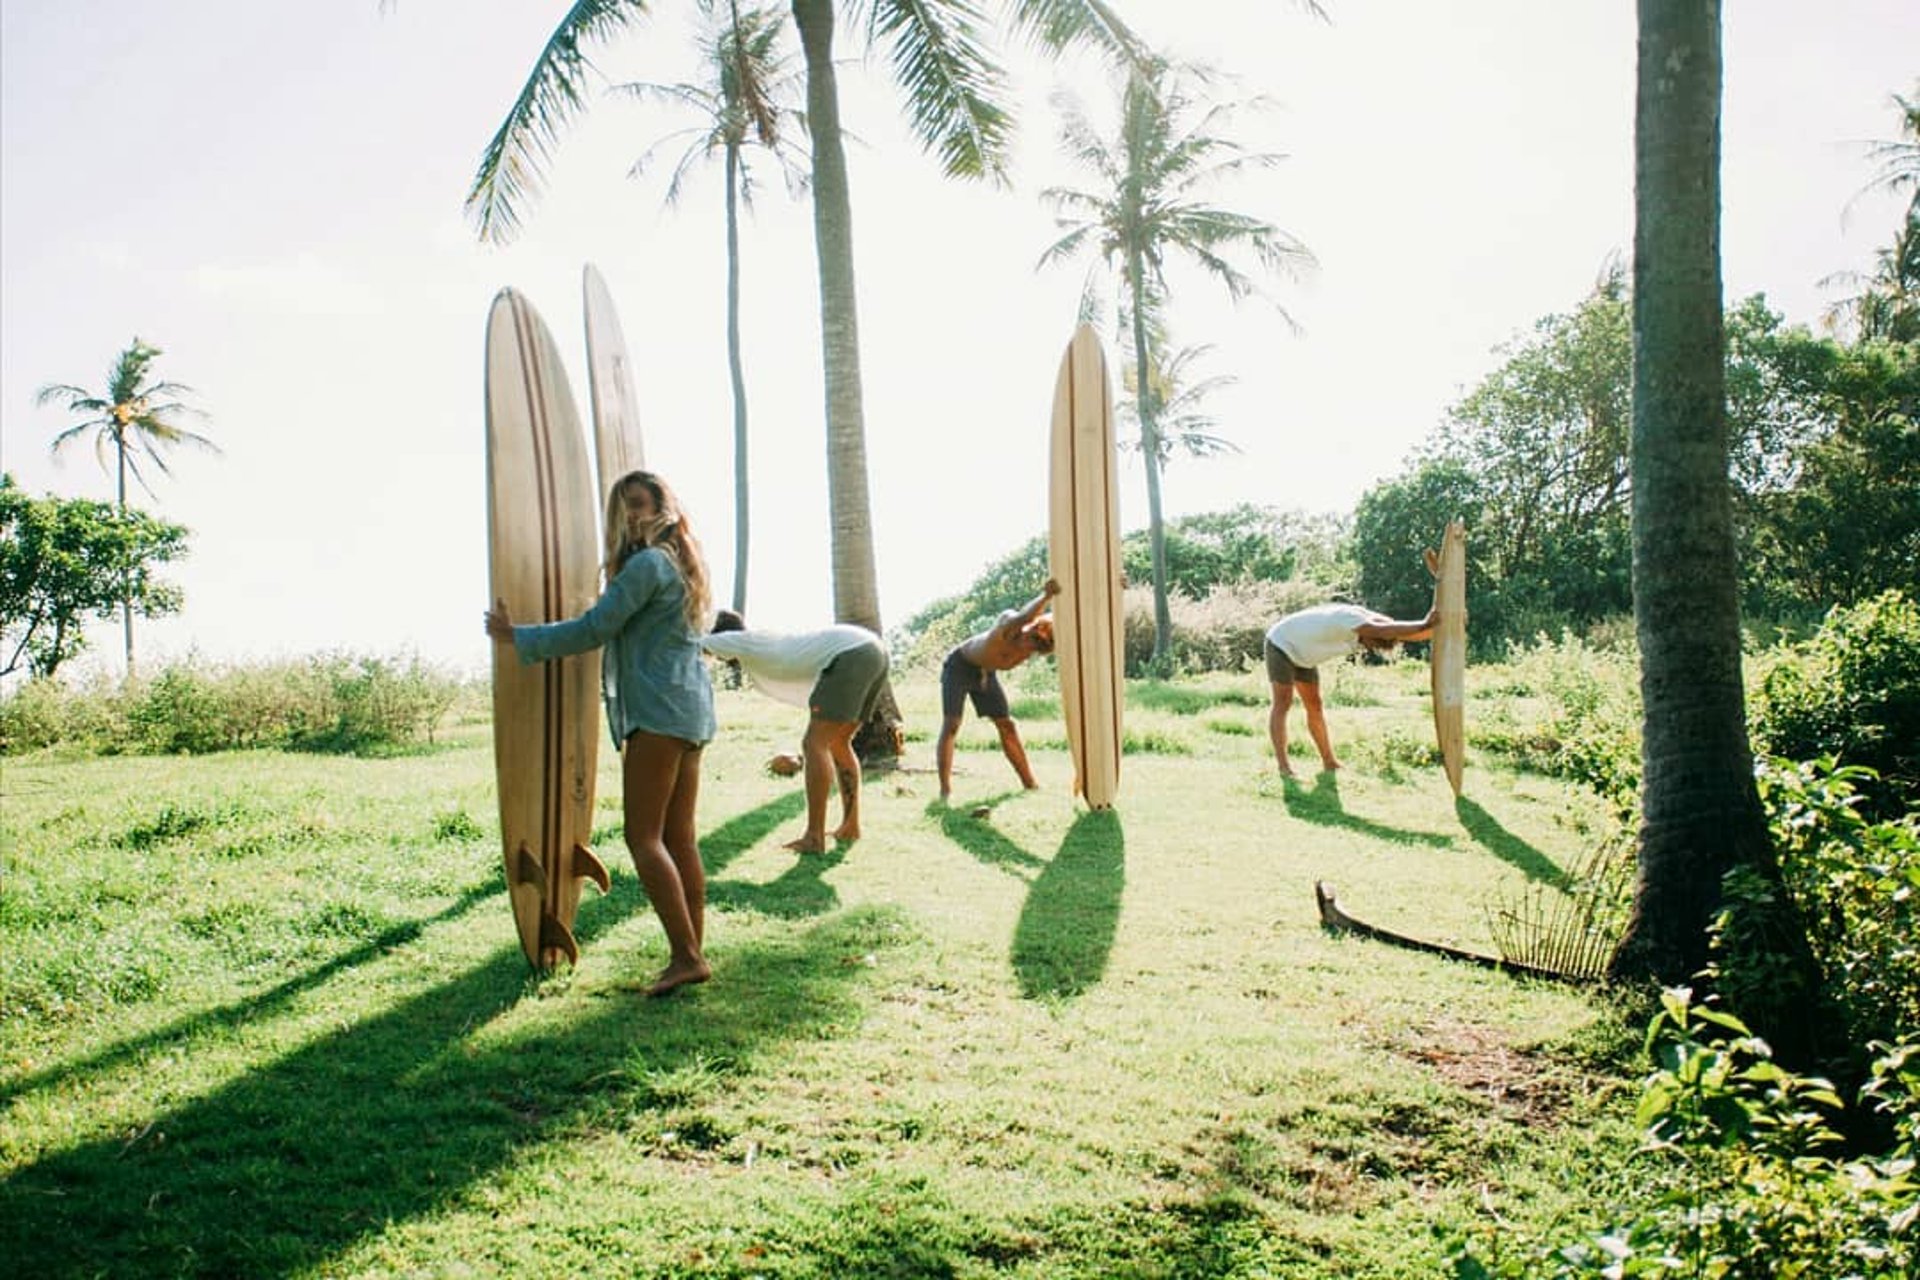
(1281, 668)
(850, 686)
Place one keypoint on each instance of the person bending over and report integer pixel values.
(972, 671)
(1299, 643)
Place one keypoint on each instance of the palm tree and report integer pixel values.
(953, 89)
(1888, 304)
(1181, 424)
(1147, 210)
(133, 416)
(1700, 813)
(743, 101)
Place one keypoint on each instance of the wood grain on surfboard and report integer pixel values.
(543, 562)
(1084, 552)
(617, 445)
(1449, 652)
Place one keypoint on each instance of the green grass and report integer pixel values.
(264, 1014)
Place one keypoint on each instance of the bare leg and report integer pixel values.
(847, 769)
(1277, 724)
(1317, 726)
(817, 751)
(656, 770)
(943, 753)
(1015, 752)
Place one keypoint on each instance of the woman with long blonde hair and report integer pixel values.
(659, 698)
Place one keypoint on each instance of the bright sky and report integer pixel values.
(271, 193)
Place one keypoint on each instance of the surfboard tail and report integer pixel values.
(557, 940)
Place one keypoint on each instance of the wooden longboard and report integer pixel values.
(616, 410)
(1084, 553)
(1449, 652)
(542, 561)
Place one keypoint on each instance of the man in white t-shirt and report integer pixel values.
(1300, 642)
(836, 673)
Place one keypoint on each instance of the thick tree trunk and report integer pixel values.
(1701, 815)
(855, 593)
(741, 508)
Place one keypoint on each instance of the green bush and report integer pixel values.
(1746, 1176)
(1586, 719)
(1857, 883)
(333, 702)
(1852, 692)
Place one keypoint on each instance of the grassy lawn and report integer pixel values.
(265, 1015)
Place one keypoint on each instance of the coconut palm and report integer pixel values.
(1700, 813)
(1178, 391)
(745, 100)
(137, 419)
(1888, 302)
(953, 91)
(1148, 210)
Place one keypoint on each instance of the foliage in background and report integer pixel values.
(338, 702)
(1235, 570)
(1745, 1172)
(1851, 691)
(65, 560)
(1857, 883)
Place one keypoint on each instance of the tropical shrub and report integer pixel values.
(1852, 692)
(1746, 1175)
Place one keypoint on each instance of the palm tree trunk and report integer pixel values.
(1150, 450)
(740, 507)
(1701, 815)
(855, 591)
(126, 581)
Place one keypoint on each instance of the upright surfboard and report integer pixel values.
(1083, 546)
(616, 410)
(542, 561)
(1449, 652)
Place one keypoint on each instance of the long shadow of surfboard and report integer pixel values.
(398, 1114)
(1321, 804)
(269, 1002)
(1067, 927)
(978, 837)
(1509, 848)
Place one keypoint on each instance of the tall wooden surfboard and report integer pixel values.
(543, 562)
(1449, 652)
(616, 410)
(1083, 549)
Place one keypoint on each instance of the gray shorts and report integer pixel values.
(850, 686)
(1281, 668)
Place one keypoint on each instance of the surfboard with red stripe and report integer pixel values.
(617, 444)
(1083, 546)
(543, 561)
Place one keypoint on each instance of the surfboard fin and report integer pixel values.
(587, 865)
(555, 936)
(527, 868)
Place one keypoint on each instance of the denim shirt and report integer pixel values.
(651, 675)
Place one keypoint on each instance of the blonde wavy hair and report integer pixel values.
(670, 531)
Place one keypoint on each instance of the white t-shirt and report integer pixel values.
(1322, 633)
(787, 666)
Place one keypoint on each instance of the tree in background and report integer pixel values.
(745, 100)
(954, 102)
(63, 560)
(1701, 816)
(1147, 209)
(137, 418)
(1888, 304)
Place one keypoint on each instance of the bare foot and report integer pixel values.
(847, 834)
(806, 844)
(1033, 786)
(675, 976)
(1329, 766)
(1286, 771)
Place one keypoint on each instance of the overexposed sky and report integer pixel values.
(272, 194)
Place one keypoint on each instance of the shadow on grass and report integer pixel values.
(737, 835)
(265, 1004)
(797, 893)
(1066, 928)
(394, 1116)
(1321, 804)
(1509, 848)
(977, 835)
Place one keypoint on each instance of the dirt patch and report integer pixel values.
(1522, 1084)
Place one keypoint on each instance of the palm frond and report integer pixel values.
(514, 164)
(954, 87)
(78, 399)
(1062, 24)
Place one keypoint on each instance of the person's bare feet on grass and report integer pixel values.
(806, 844)
(678, 975)
(846, 834)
